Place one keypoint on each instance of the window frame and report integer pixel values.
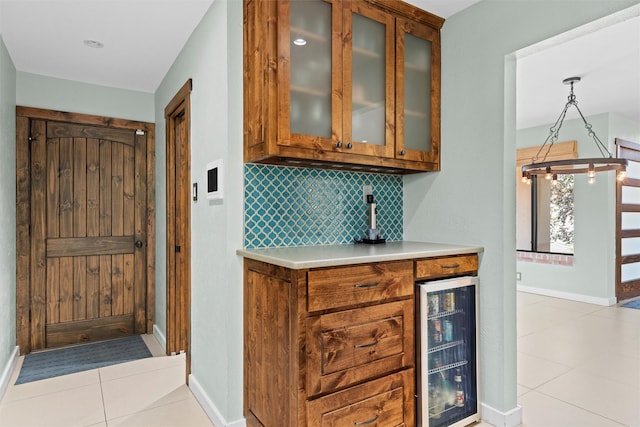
(558, 151)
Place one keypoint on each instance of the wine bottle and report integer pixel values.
(459, 389)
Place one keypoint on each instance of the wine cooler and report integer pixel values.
(447, 380)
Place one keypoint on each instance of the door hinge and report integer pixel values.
(177, 248)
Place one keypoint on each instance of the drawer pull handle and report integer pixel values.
(451, 266)
(369, 344)
(366, 285)
(364, 423)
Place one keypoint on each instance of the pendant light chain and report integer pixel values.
(551, 169)
(555, 129)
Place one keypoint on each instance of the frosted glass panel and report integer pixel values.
(311, 68)
(369, 81)
(630, 272)
(630, 220)
(630, 195)
(630, 246)
(633, 169)
(417, 93)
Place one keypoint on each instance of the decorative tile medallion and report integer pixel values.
(290, 206)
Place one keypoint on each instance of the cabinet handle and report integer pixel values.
(367, 345)
(402, 152)
(366, 285)
(450, 266)
(349, 145)
(364, 423)
(339, 144)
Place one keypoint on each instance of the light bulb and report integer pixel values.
(524, 177)
(554, 180)
(622, 174)
(548, 175)
(591, 171)
(591, 180)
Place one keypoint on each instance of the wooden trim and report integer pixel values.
(151, 228)
(79, 118)
(559, 151)
(178, 167)
(23, 242)
(411, 12)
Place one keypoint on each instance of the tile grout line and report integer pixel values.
(104, 407)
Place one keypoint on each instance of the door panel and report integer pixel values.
(628, 224)
(87, 222)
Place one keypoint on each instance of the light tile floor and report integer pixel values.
(578, 366)
(578, 363)
(146, 392)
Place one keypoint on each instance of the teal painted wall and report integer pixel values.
(7, 209)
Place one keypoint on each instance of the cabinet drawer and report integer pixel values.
(344, 286)
(446, 266)
(387, 401)
(351, 346)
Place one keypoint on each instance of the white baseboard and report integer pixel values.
(497, 418)
(212, 412)
(162, 340)
(568, 295)
(7, 372)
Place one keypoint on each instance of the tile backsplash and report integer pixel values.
(290, 206)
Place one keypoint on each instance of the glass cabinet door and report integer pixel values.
(418, 96)
(309, 114)
(368, 75)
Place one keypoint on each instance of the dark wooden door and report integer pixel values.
(628, 223)
(88, 238)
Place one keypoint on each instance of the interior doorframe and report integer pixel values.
(179, 107)
(23, 209)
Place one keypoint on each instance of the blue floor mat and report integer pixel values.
(632, 304)
(53, 363)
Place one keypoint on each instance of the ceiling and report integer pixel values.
(142, 38)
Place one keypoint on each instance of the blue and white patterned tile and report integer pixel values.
(289, 206)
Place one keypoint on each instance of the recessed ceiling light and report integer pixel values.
(299, 41)
(93, 43)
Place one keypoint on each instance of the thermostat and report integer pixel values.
(214, 180)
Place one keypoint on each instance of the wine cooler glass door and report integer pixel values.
(448, 352)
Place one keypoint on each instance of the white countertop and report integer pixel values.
(334, 255)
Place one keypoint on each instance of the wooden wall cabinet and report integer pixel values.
(329, 346)
(342, 84)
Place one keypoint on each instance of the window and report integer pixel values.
(544, 209)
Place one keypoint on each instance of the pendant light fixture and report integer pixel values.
(551, 169)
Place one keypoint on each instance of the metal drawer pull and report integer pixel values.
(451, 266)
(366, 285)
(364, 423)
(371, 344)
